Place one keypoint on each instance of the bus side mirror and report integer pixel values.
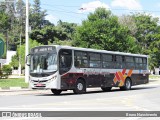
(28, 60)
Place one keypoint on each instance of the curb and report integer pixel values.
(14, 88)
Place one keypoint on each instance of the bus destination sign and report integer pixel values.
(43, 49)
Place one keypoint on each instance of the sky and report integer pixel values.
(74, 11)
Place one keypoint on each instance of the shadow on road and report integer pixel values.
(98, 91)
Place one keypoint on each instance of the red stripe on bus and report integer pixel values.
(117, 76)
(124, 71)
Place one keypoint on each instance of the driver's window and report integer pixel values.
(65, 60)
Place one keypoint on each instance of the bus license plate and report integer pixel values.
(39, 84)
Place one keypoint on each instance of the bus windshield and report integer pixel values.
(43, 63)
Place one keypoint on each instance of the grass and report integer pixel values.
(154, 76)
(18, 82)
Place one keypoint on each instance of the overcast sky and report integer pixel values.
(77, 10)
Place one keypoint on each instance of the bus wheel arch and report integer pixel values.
(127, 84)
(80, 86)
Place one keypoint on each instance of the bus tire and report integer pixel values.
(80, 87)
(56, 92)
(105, 89)
(127, 85)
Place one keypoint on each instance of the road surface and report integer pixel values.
(140, 98)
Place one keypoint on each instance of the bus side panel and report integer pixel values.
(68, 80)
(138, 79)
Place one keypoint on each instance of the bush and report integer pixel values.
(7, 69)
(0, 72)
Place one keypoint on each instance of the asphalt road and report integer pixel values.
(140, 98)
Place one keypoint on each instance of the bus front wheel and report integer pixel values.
(80, 87)
(56, 92)
(127, 85)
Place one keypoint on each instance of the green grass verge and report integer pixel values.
(19, 82)
(154, 76)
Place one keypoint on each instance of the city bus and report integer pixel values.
(62, 68)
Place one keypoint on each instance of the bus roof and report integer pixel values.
(96, 50)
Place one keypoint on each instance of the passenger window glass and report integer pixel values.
(119, 62)
(107, 61)
(95, 60)
(80, 59)
(129, 62)
(141, 63)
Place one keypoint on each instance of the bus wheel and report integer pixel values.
(56, 92)
(105, 89)
(127, 85)
(80, 87)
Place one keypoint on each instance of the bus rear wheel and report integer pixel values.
(80, 87)
(56, 92)
(105, 89)
(127, 85)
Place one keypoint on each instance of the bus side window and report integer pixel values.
(139, 63)
(107, 61)
(80, 59)
(129, 60)
(119, 62)
(94, 60)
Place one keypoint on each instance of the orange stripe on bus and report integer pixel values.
(121, 76)
(130, 73)
(115, 80)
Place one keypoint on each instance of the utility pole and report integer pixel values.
(27, 41)
(20, 55)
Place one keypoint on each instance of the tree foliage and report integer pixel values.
(20, 54)
(102, 31)
(146, 30)
(135, 33)
(37, 16)
(51, 34)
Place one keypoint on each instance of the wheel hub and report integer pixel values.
(128, 84)
(80, 86)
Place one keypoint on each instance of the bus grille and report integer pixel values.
(40, 81)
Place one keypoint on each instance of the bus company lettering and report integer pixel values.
(95, 72)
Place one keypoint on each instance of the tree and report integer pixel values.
(102, 30)
(146, 30)
(21, 16)
(154, 53)
(68, 28)
(4, 22)
(21, 53)
(52, 34)
(37, 17)
(129, 22)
